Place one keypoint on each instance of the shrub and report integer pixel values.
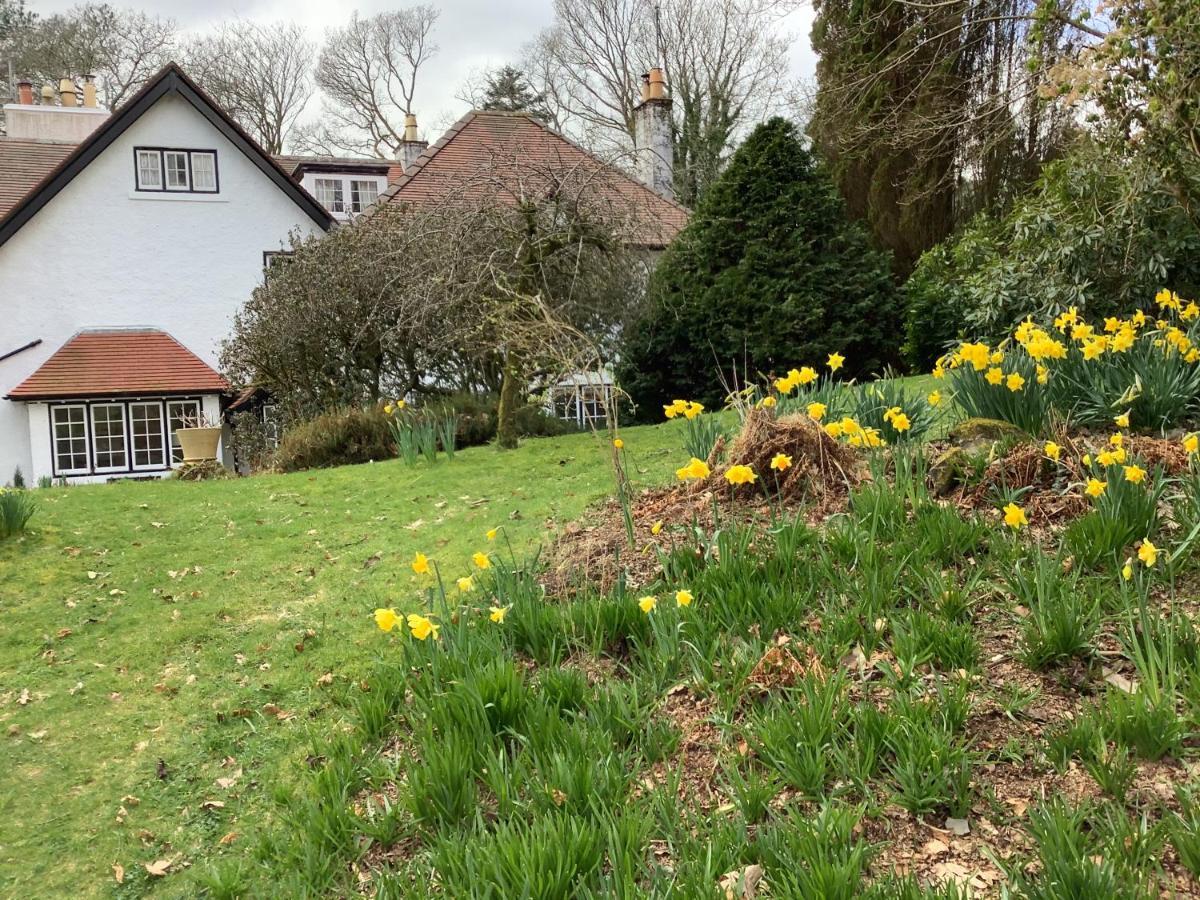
(768, 271)
(16, 509)
(253, 444)
(339, 438)
(477, 418)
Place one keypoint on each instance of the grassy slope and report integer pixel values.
(179, 668)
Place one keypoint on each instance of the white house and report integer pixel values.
(121, 268)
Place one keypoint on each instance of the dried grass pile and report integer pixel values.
(822, 472)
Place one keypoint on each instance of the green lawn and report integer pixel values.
(169, 644)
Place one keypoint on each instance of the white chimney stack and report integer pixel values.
(412, 146)
(652, 136)
(67, 123)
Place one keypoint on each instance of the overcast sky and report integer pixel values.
(473, 35)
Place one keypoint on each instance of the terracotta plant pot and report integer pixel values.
(198, 443)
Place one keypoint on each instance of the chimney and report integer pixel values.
(66, 90)
(412, 146)
(69, 123)
(653, 146)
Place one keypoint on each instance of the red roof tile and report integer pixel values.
(23, 163)
(484, 141)
(120, 363)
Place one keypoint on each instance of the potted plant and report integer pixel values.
(198, 438)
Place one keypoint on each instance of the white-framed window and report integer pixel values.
(362, 194)
(330, 194)
(204, 171)
(176, 171)
(180, 414)
(146, 435)
(149, 170)
(109, 451)
(68, 425)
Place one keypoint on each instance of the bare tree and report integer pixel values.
(726, 62)
(368, 70)
(258, 73)
(122, 47)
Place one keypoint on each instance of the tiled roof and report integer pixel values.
(291, 163)
(120, 362)
(23, 163)
(486, 142)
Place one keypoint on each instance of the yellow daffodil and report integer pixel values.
(481, 560)
(768, 402)
(497, 613)
(1118, 455)
(935, 398)
(740, 474)
(834, 430)
(1191, 443)
(1122, 420)
(683, 598)
(1105, 458)
(696, 469)
(1014, 516)
(994, 376)
(388, 409)
(900, 422)
(1043, 374)
(1052, 450)
(978, 355)
(618, 444)
(1189, 312)
(491, 533)
(1014, 382)
(1095, 487)
(835, 361)
(780, 462)
(656, 528)
(816, 411)
(421, 627)
(785, 385)
(1127, 570)
(1148, 553)
(647, 604)
(420, 564)
(805, 375)
(386, 619)
(1116, 439)
(466, 584)
(891, 413)
(675, 408)
(1136, 474)
(693, 409)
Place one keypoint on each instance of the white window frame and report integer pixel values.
(210, 155)
(337, 204)
(172, 441)
(175, 163)
(124, 435)
(153, 160)
(54, 439)
(357, 206)
(133, 435)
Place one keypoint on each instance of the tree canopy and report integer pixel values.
(768, 274)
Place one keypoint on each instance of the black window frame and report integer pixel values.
(127, 401)
(162, 171)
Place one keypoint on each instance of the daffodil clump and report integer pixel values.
(1146, 365)
(701, 430)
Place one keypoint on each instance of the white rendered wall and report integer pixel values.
(100, 255)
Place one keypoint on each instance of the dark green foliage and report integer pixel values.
(477, 417)
(768, 274)
(339, 438)
(16, 509)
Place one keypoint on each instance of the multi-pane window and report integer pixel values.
(69, 427)
(149, 170)
(329, 194)
(176, 171)
(146, 433)
(362, 194)
(108, 437)
(204, 171)
(181, 414)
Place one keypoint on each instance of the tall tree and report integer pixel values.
(769, 274)
(726, 62)
(260, 74)
(368, 70)
(123, 48)
(930, 111)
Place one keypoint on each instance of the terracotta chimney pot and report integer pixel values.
(657, 84)
(25, 92)
(410, 127)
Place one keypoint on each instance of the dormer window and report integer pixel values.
(345, 195)
(176, 171)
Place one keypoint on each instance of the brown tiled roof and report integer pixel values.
(23, 163)
(120, 362)
(484, 141)
(292, 163)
